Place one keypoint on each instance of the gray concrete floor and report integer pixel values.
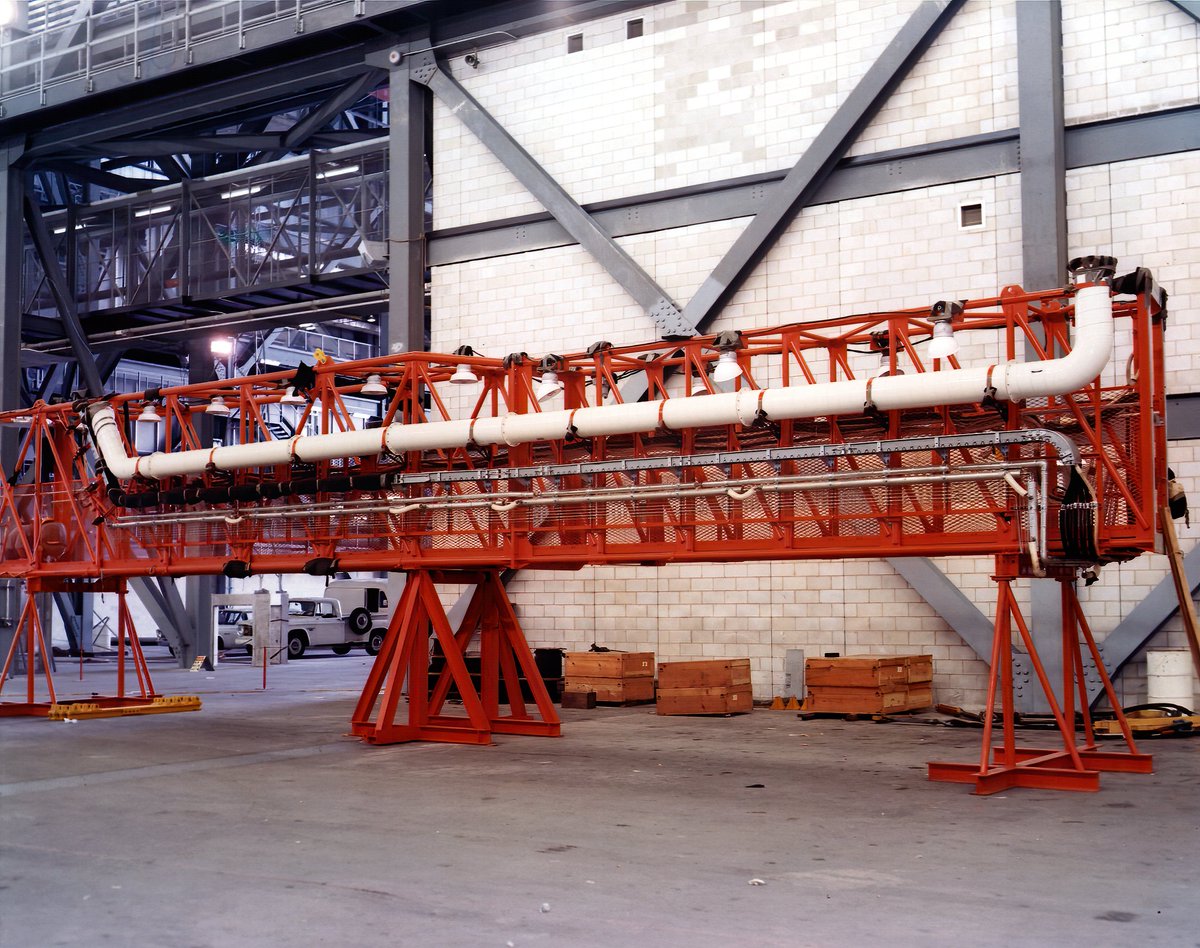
(257, 821)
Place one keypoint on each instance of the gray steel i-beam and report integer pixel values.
(425, 69)
(64, 296)
(1044, 243)
(805, 179)
(406, 250)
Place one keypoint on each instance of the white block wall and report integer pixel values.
(717, 90)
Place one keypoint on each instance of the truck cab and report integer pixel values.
(320, 623)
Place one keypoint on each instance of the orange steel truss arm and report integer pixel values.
(870, 482)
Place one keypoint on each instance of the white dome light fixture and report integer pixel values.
(149, 414)
(943, 343)
(217, 406)
(463, 374)
(727, 344)
(549, 384)
(374, 386)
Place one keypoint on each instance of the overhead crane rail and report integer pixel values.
(1042, 444)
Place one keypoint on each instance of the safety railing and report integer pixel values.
(128, 35)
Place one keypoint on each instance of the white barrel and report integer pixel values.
(1170, 678)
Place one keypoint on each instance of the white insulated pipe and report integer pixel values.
(1012, 381)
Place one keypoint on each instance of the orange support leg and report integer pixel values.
(29, 626)
(503, 650)
(1071, 767)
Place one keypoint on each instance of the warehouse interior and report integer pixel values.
(598, 471)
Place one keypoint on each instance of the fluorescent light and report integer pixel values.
(221, 347)
(272, 363)
(158, 209)
(337, 172)
(241, 192)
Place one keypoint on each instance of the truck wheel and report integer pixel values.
(359, 621)
(341, 649)
(295, 644)
(375, 642)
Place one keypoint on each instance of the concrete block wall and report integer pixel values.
(717, 90)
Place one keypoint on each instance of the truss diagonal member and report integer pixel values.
(341, 100)
(802, 182)
(64, 296)
(425, 69)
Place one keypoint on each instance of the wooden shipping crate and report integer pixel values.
(609, 665)
(887, 698)
(725, 672)
(614, 689)
(867, 671)
(710, 687)
(716, 700)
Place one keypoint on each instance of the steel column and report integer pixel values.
(11, 253)
(1043, 232)
(405, 329)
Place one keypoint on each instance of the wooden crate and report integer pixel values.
(609, 665)
(708, 687)
(615, 689)
(868, 684)
(867, 671)
(621, 677)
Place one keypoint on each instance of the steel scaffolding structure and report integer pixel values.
(849, 437)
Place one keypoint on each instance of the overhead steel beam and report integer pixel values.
(64, 296)
(105, 179)
(1190, 7)
(341, 100)
(798, 188)
(281, 84)
(885, 172)
(425, 69)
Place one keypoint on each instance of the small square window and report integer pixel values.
(575, 43)
(970, 215)
(634, 29)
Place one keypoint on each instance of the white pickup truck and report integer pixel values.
(318, 623)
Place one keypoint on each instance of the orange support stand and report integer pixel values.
(29, 627)
(127, 637)
(405, 653)
(1071, 767)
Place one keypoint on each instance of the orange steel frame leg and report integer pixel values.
(127, 636)
(29, 626)
(1071, 767)
(405, 652)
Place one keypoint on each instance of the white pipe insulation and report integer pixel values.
(1012, 381)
